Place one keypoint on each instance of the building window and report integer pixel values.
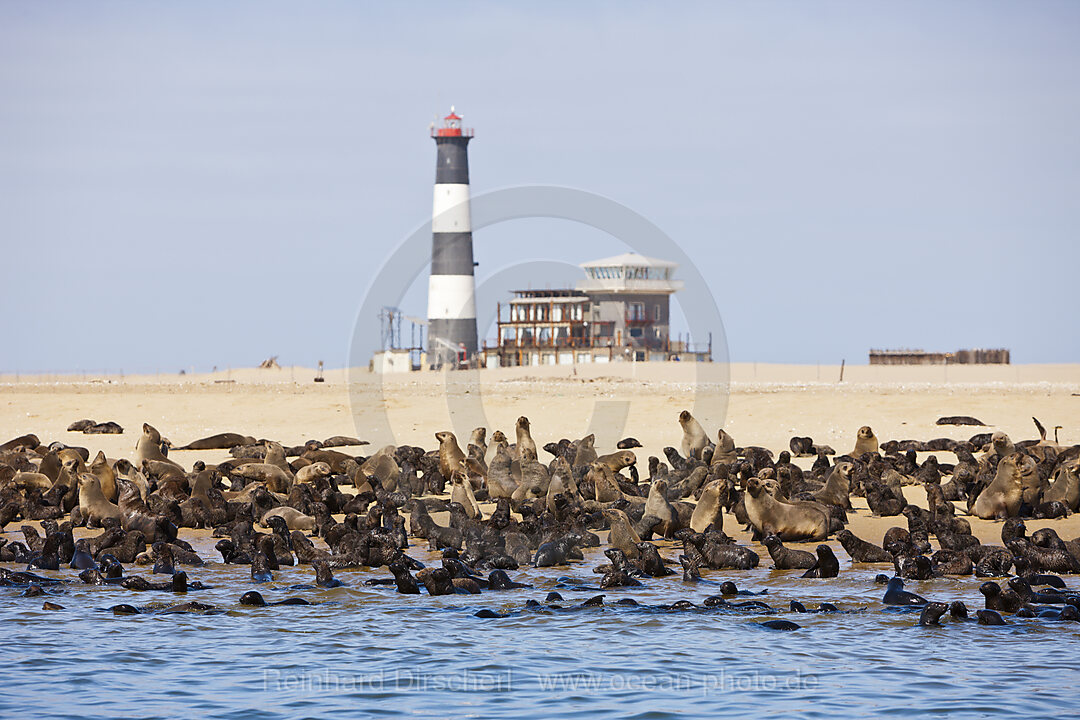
(656, 313)
(635, 332)
(637, 311)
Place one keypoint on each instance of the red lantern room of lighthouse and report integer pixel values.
(451, 127)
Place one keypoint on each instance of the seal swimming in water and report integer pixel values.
(254, 598)
(931, 614)
(895, 594)
(990, 617)
(1006, 600)
(827, 566)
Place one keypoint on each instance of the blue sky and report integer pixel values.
(188, 185)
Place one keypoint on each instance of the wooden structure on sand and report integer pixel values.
(979, 356)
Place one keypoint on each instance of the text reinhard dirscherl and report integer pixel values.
(328, 681)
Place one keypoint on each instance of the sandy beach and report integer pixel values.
(765, 405)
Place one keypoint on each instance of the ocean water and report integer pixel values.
(368, 651)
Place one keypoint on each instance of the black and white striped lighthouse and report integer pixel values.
(451, 289)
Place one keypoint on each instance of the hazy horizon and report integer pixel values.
(197, 185)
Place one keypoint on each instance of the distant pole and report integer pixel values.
(842, 370)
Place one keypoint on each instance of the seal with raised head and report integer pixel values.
(462, 493)
(1002, 497)
(618, 460)
(622, 535)
(708, 510)
(450, 454)
(827, 566)
(931, 614)
(93, 505)
(585, 453)
(657, 506)
(148, 447)
(694, 438)
(725, 448)
(895, 594)
(865, 442)
(787, 558)
(524, 437)
(837, 486)
(786, 521)
(860, 550)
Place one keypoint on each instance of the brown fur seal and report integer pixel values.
(343, 441)
(125, 469)
(837, 486)
(562, 483)
(23, 441)
(479, 439)
(462, 493)
(657, 506)
(524, 437)
(725, 448)
(1031, 483)
(450, 454)
(36, 480)
(382, 465)
(605, 488)
(708, 510)
(694, 438)
(497, 439)
(295, 519)
(1001, 445)
(106, 474)
(274, 477)
(1065, 487)
(1001, 498)
(586, 451)
(313, 472)
(92, 502)
(786, 521)
(618, 460)
(786, 558)
(865, 442)
(500, 480)
(221, 441)
(275, 455)
(148, 447)
(622, 535)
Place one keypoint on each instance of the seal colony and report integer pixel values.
(507, 510)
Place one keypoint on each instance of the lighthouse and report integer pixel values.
(451, 288)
